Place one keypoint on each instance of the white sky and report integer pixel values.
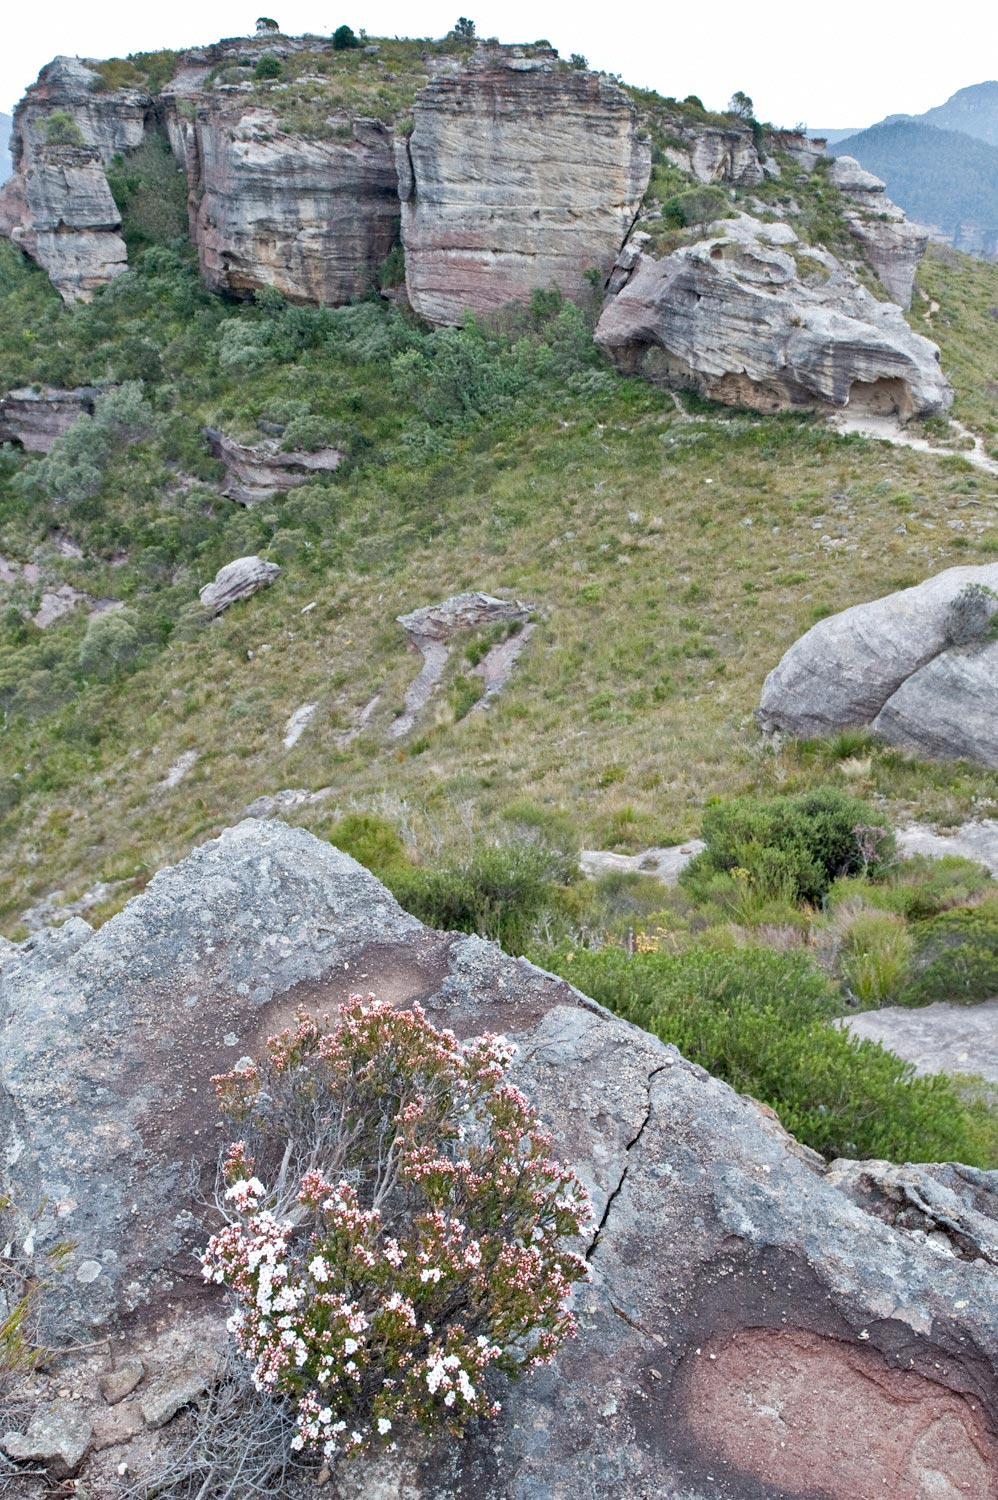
(842, 65)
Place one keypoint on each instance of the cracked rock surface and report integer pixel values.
(750, 1331)
(892, 664)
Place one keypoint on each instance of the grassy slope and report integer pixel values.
(672, 555)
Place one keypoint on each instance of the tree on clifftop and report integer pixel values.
(265, 26)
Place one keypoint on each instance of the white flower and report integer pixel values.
(384, 1425)
(318, 1270)
(350, 1346)
(449, 1399)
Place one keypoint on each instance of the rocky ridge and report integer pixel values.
(753, 1327)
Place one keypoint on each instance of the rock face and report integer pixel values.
(897, 665)
(237, 580)
(431, 630)
(735, 318)
(57, 206)
(753, 1329)
(314, 219)
(518, 175)
(260, 471)
(891, 244)
(34, 419)
(59, 211)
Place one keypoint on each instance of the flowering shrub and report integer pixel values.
(408, 1240)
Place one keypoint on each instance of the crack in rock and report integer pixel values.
(614, 1195)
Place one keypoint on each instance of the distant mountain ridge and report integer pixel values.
(940, 166)
(5, 127)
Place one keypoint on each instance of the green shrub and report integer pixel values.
(957, 957)
(499, 891)
(759, 1019)
(373, 841)
(789, 848)
(111, 645)
(916, 888)
(62, 130)
(699, 207)
(267, 67)
(876, 954)
(344, 38)
(150, 190)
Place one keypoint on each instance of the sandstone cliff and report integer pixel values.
(314, 219)
(519, 174)
(752, 318)
(756, 1327)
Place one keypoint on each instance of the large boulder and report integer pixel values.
(432, 630)
(751, 317)
(60, 212)
(519, 175)
(237, 580)
(751, 1331)
(314, 219)
(908, 665)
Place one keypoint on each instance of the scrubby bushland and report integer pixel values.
(760, 1020)
(402, 1242)
(789, 848)
(956, 957)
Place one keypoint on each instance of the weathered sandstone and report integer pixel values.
(259, 471)
(891, 244)
(59, 210)
(754, 1328)
(431, 630)
(237, 580)
(894, 664)
(34, 419)
(519, 174)
(314, 219)
(735, 318)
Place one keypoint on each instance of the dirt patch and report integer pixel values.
(815, 1416)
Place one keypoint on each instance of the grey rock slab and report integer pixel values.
(261, 471)
(430, 631)
(179, 1389)
(666, 864)
(237, 580)
(939, 1038)
(842, 672)
(977, 840)
(948, 708)
(742, 1307)
(57, 1438)
(34, 419)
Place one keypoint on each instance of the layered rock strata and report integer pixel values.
(905, 665)
(59, 210)
(739, 319)
(754, 1328)
(890, 243)
(520, 174)
(34, 419)
(259, 471)
(314, 219)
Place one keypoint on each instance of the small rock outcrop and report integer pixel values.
(237, 580)
(752, 318)
(519, 174)
(745, 1309)
(891, 244)
(314, 219)
(906, 665)
(431, 631)
(262, 470)
(33, 419)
